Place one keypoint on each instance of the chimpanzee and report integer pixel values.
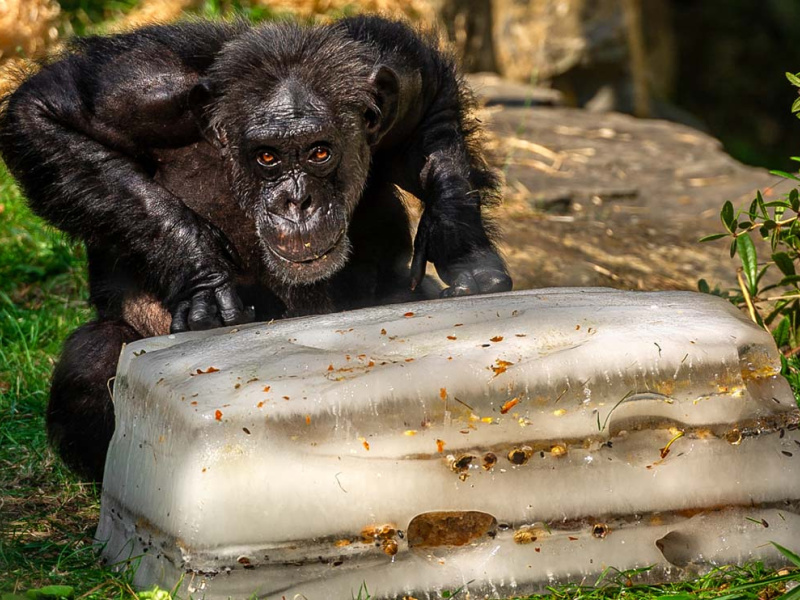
(221, 172)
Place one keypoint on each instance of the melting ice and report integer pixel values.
(496, 443)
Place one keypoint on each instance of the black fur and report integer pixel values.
(223, 172)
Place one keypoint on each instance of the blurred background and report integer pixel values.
(717, 66)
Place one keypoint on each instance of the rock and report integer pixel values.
(588, 49)
(614, 200)
(493, 89)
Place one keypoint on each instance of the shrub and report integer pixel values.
(769, 289)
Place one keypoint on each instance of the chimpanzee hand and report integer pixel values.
(206, 297)
(473, 268)
(209, 308)
(479, 272)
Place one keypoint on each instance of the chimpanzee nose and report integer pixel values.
(297, 209)
(294, 208)
(293, 200)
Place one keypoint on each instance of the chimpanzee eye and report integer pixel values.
(320, 155)
(267, 159)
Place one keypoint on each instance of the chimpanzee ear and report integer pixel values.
(386, 85)
(201, 96)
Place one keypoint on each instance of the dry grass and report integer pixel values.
(27, 27)
(153, 11)
(416, 10)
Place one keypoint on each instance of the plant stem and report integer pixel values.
(746, 294)
(778, 225)
(773, 298)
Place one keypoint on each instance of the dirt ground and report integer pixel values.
(610, 200)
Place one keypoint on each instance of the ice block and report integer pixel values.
(492, 444)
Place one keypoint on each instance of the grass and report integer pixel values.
(47, 517)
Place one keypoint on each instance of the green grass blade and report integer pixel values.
(788, 554)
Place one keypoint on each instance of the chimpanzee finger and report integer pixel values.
(180, 317)
(203, 314)
(249, 314)
(230, 306)
(464, 285)
(491, 281)
(419, 262)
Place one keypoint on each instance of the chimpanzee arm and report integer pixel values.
(77, 137)
(455, 183)
(436, 141)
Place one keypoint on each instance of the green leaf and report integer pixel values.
(796, 105)
(728, 219)
(785, 175)
(793, 79)
(713, 236)
(733, 248)
(702, 286)
(793, 594)
(781, 203)
(747, 254)
(781, 332)
(49, 592)
(155, 594)
(788, 554)
(794, 200)
(776, 313)
(790, 280)
(761, 205)
(784, 263)
(766, 288)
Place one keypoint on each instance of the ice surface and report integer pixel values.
(500, 443)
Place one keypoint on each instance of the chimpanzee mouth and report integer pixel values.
(315, 256)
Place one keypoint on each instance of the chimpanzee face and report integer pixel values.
(299, 170)
(296, 116)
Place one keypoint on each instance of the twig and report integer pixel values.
(774, 298)
(792, 352)
(747, 299)
(515, 142)
(778, 225)
(604, 271)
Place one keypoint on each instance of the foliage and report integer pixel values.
(83, 16)
(769, 289)
(253, 11)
